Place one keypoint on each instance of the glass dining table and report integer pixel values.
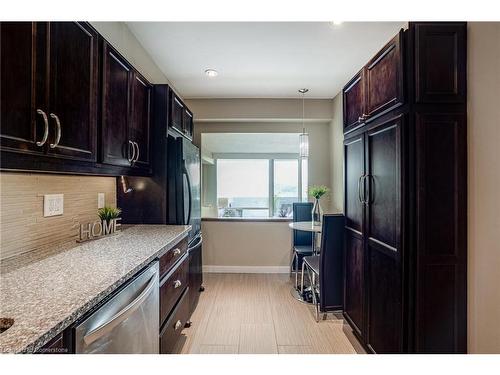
(315, 228)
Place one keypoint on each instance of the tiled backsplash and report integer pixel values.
(22, 225)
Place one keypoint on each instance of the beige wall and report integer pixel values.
(319, 155)
(337, 156)
(284, 110)
(22, 225)
(261, 244)
(256, 246)
(271, 116)
(484, 186)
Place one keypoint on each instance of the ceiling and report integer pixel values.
(243, 143)
(261, 59)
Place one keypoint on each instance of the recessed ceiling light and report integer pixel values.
(211, 73)
(336, 23)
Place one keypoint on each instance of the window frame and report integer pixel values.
(271, 158)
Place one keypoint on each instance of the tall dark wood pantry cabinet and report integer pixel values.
(405, 193)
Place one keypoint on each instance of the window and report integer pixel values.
(244, 188)
(286, 187)
(252, 175)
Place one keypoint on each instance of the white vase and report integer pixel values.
(317, 212)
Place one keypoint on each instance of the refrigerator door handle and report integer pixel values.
(198, 243)
(184, 170)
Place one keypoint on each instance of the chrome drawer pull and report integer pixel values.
(46, 128)
(177, 283)
(177, 325)
(177, 251)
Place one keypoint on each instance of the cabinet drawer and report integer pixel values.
(172, 286)
(168, 259)
(173, 327)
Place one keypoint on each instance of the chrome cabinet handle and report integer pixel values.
(359, 189)
(177, 325)
(370, 199)
(131, 159)
(46, 128)
(137, 146)
(58, 131)
(177, 284)
(177, 251)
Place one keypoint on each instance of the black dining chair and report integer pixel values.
(325, 271)
(302, 241)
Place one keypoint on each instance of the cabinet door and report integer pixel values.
(353, 95)
(188, 123)
(383, 237)
(440, 62)
(441, 233)
(73, 73)
(384, 79)
(141, 120)
(176, 113)
(116, 148)
(354, 160)
(22, 128)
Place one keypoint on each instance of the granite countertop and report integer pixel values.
(44, 294)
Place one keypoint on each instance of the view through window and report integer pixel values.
(252, 175)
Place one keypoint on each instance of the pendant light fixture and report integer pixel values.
(304, 137)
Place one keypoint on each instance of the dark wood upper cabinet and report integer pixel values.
(353, 100)
(188, 123)
(49, 89)
(126, 110)
(22, 128)
(141, 120)
(384, 79)
(180, 117)
(116, 83)
(176, 113)
(440, 56)
(377, 88)
(73, 85)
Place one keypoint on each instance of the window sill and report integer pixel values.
(249, 219)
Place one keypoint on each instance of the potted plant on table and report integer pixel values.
(317, 192)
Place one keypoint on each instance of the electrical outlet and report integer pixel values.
(53, 204)
(100, 200)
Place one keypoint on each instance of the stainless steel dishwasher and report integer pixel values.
(128, 323)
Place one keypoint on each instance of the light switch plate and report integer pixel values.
(101, 200)
(53, 204)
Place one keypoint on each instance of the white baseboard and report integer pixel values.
(246, 269)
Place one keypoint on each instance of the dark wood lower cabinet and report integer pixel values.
(172, 286)
(354, 281)
(171, 330)
(406, 204)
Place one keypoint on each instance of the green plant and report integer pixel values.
(109, 213)
(318, 191)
